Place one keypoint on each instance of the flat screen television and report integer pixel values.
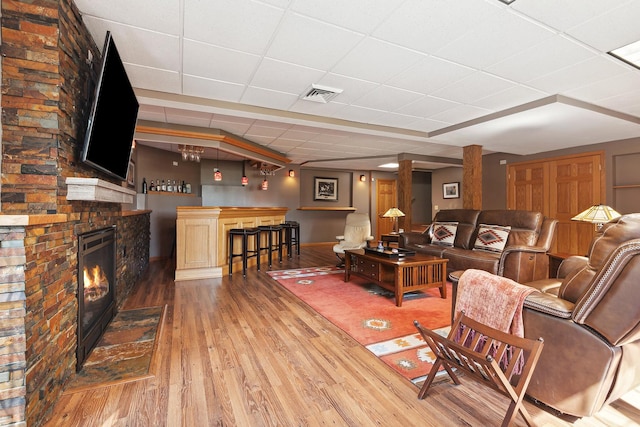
(112, 118)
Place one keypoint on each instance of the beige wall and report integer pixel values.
(442, 176)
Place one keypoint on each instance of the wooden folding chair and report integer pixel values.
(501, 361)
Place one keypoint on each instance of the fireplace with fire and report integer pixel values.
(96, 288)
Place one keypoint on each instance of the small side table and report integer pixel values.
(390, 238)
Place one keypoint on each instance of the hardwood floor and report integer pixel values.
(245, 352)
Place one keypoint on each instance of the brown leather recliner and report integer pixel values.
(591, 328)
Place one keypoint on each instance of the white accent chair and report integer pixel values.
(357, 234)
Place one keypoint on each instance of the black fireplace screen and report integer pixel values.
(96, 287)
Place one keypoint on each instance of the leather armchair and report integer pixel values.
(589, 318)
(357, 234)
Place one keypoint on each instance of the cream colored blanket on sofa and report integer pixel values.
(492, 300)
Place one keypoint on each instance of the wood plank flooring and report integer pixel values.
(245, 352)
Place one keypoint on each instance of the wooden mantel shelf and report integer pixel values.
(322, 208)
(97, 190)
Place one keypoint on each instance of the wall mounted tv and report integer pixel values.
(112, 119)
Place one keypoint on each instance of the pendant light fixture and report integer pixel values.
(265, 185)
(217, 175)
(245, 180)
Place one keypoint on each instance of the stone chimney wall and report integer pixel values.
(47, 85)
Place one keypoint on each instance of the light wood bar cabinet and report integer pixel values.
(202, 236)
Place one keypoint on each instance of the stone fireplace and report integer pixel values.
(47, 83)
(96, 288)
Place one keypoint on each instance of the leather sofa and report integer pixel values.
(589, 318)
(524, 257)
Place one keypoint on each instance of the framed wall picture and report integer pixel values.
(451, 190)
(131, 174)
(325, 189)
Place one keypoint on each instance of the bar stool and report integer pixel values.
(292, 236)
(272, 231)
(246, 253)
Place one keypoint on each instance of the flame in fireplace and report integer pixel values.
(96, 283)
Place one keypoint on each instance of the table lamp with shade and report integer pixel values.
(598, 215)
(394, 213)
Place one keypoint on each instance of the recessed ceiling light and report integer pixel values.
(507, 1)
(629, 54)
(389, 165)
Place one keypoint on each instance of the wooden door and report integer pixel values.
(386, 198)
(576, 185)
(560, 188)
(526, 188)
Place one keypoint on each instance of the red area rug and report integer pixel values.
(368, 313)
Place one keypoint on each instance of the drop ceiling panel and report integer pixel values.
(208, 88)
(554, 53)
(268, 98)
(601, 90)
(429, 75)
(500, 36)
(507, 98)
(397, 120)
(375, 61)
(242, 25)
(387, 98)
(426, 26)
(163, 17)
(132, 44)
(427, 106)
(297, 42)
(563, 15)
(352, 88)
(460, 113)
(153, 78)
(211, 62)
(188, 118)
(284, 77)
(259, 129)
(358, 15)
(474, 87)
(580, 74)
(611, 29)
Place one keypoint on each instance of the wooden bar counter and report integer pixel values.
(202, 236)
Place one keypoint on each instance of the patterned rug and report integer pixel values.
(125, 351)
(368, 314)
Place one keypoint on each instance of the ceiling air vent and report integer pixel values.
(321, 94)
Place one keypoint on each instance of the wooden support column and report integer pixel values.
(472, 177)
(405, 169)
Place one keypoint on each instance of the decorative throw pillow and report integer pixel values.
(492, 238)
(444, 233)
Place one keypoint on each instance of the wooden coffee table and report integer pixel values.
(399, 275)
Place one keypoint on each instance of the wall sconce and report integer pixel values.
(292, 173)
(265, 185)
(363, 178)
